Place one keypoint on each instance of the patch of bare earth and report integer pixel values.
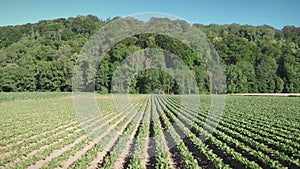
(57, 153)
(37, 135)
(40, 149)
(145, 156)
(71, 160)
(32, 144)
(126, 151)
(100, 156)
(173, 155)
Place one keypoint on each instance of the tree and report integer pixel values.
(41, 56)
(17, 79)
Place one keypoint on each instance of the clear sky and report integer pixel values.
(276, 13)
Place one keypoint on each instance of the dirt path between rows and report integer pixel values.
(37, 135)
(166, 138)
(44, 147)
(119, 163)
(100, 155)
(34, 143)
(71, 160)
(57, 153)
(145, 156)
(95, 141)
(54, 130)
(40, 149)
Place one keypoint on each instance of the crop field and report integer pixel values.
(42, 130)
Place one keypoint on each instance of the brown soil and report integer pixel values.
(100, 156)
(119, 163)
(57, 153)
(32, 144)
(35, 136)
(82, 152)
(39, 150)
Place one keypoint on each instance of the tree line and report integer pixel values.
(41, 57)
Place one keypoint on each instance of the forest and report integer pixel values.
(41, 57)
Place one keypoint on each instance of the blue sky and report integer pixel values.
(276, 13)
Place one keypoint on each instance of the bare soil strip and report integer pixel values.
(119, 163)
(89, 119)
(93, 143)
(78, 155)
(101, 155)
(60, 131)
(37, 135)
(57, 153)
(43, 139)
(39, 150)
(145, 156)
(46, 146)
(95, 125)
(164, 138)
(174, 156)
(151, 147)
(32, 144)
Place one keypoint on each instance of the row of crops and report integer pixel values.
(151, 131)
(11, 96)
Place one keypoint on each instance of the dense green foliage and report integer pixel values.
(258, 59)
(41, 57)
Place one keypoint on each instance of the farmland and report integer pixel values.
(42, 130)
